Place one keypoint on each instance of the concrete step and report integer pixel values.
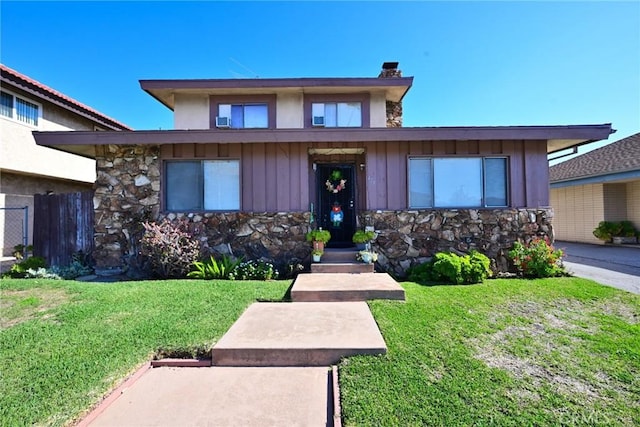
(345, 287)
(341, 267)
(299, 334)
(335, 256)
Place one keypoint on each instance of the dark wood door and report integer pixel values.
(336, 209)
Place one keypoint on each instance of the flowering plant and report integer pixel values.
(335, 183)
(537, 258)
(367, 257)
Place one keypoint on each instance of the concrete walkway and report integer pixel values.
(222, 397)
(617, 266)
(270, 369)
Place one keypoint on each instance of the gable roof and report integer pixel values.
(620, 157)
(9, 76)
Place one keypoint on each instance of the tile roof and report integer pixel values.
(29, 84)
(620, 156)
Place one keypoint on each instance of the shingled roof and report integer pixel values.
(620, 156)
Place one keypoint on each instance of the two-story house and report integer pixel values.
(26, 168)
(253, 163)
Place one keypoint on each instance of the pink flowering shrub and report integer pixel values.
(170, 248)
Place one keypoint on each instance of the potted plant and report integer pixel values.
(316, 254)
(319, 238)
(367, 257)
(361, 238)
(626, 233)
(617, 232)
(605, 231)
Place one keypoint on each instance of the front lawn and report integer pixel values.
(562, 351)
(64, 344)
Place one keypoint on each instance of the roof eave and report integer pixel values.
(74, 141)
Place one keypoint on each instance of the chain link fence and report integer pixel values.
(14, 229)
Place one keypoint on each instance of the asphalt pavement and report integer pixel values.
(617, 266)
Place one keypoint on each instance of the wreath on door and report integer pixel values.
(335, 183)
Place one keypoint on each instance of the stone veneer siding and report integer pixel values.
(127, 193)
(413, 236)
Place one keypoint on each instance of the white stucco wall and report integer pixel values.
(378, 111)
(19, 152)
(191, 112)
(289, 111)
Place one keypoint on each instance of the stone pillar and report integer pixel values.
(127, 193)
(394, 109)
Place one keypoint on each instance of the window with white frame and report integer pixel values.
(336, 114)
(450, 182)
(243, 116)
(20, 109)
(209, 185)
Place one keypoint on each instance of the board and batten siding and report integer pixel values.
(278, 177)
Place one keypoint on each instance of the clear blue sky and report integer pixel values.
(474, 63)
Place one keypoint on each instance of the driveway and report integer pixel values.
(617, 266)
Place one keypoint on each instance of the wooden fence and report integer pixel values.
(63, 226)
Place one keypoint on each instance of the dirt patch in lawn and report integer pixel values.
(537, 342)
(23, 305)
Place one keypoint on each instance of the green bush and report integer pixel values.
(447, 267)
(606, 230)
(170, 249)
(19, 270)
(537, 259)
(318, 235)
(254, 270)
(362, 236)
(71, 271)
(214, 269)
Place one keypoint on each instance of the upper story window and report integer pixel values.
(454, 182)
(336, 114)
(243, 116)
(19, 109)
(243, 111)
(348, 110)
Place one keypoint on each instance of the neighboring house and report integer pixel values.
(253, 163)
(601, 185)
(26, 168)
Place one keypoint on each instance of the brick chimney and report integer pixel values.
(394, 109)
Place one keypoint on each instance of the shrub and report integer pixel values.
(362, 236)
(537, 258)
(446, 267)
(254, 270)
(169, 248)
(214, 269)
(71, 271)
(318, 235)
(19, 270)
(41, 273)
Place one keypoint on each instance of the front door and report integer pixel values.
(336, 197)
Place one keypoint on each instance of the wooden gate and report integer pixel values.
(63, 226)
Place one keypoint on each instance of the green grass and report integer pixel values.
(509, 352)
(64, 344)
(562, 351)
